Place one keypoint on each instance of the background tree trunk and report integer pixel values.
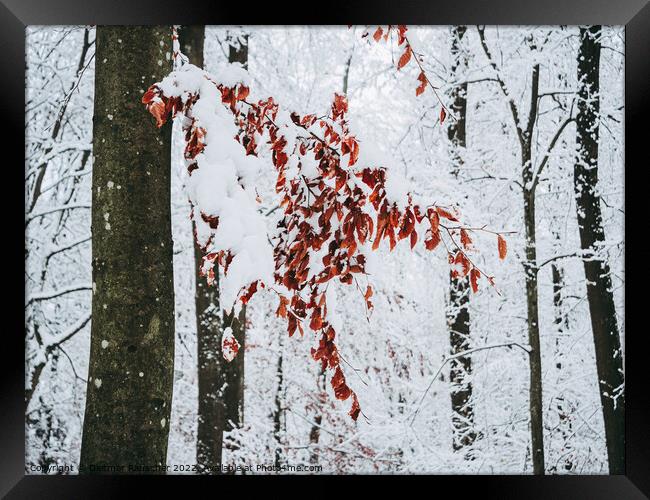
(278, 411)
(233, 391)
(561, 322)
(314, 434)
(321, 381)
(531, 269)
(130, 382)
(609, 355)
(211, 409)
(221, 384)
(525, 136)
(535, 356)
(462, 417)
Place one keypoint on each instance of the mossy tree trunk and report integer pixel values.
(130, 382)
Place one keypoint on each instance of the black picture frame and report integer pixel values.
(16, 15)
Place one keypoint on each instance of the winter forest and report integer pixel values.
(324, 250)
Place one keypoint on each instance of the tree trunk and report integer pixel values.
(557, 276)
(233, 373)
(609, 355)
(278, 412)
(321, 381)
(565, 427)
(221, 384)
(530, 271)
(130, 382)
(314, 434)
(462, 416)
(535, 357)
(211, 410)
(233, 391)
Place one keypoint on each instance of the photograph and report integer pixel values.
(325, 249)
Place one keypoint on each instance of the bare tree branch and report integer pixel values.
(52, 210)
(51, 294)
(504, 89)
(49, 347)
(447, 359)
(551, 145)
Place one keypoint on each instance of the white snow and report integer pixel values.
(229, 345)
(222, 185)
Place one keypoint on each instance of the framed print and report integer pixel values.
(327, 245)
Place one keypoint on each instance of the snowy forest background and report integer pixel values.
(401, 350)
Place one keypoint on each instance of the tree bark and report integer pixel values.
(535, 357)
(314, 433)
(233, 373)
(211, 409)
(557, 275)
(221, 384)
(233, 391)
(565, 427)
(530, 270)
(278, 411)
(458, 319)
(609, 355)
(129, 393)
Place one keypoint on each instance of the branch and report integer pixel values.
(52, 210)
(534, 96)
(555, 93)
(71, 332)
(59, 120)
(504, 89)
(49, 347)
(447, 359)
(67, 176)
(478, 80)
(581, 254)
(74, 370)
(544, 161)
(67, 246)
(57, 293)
(433, 88)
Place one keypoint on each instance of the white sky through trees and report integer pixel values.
(391, 359)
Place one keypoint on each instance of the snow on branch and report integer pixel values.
(526, 348)
(52, 294)
(337, 205)
(70, 206)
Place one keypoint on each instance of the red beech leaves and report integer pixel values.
(422, 78)
(503, 247)
(402, 40)
(473, 278)
(340, 190)
(405, 58)
(229, 345)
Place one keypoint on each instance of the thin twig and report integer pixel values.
(447, 359)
